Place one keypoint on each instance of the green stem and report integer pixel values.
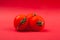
(23, 21)
(39, 23)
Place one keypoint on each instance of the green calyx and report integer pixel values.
(23, 21)
(39, 23)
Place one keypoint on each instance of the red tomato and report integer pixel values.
(37, 23)
(20, 22)
(29, 16)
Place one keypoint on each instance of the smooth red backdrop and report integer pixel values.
(48, 9)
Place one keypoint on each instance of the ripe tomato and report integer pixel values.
(29, 16)
(20, 22)
(37, 23)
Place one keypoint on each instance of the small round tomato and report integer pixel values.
(29, 16)
(20, 22)
(37, 23)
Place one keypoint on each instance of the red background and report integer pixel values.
(48, 9)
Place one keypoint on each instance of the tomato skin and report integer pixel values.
(33, 23)
(17, 21)
(29, 16)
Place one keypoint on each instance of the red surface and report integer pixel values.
(49, 10)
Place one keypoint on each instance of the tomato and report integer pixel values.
(20, 22)
(37, 23)
(29, 16)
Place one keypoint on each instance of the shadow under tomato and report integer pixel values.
(45, 30)
(13, 30)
